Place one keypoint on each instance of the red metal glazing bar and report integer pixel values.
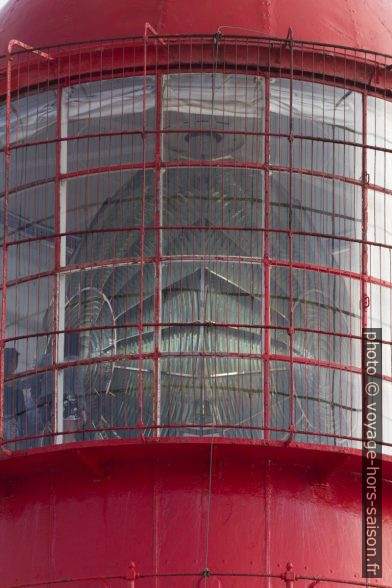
(188, 131)
(33, 184)
(13, 43)
(267, 332)
(158, 295)
(202, 163)
(365, 249)
(131, 260)
(232, 325)
(57, 253)
(142, 232)
(142, 238)
(224, 427)
(150, 355)
(154, 227)
(267, 301)
(290, 238)
(207, 163)
(276, 262)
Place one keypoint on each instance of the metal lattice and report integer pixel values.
(196, 229)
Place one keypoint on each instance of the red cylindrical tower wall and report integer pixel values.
(163, 508)
(196, 231)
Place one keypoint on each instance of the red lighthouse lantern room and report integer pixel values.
(196, 211)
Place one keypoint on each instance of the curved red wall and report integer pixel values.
(101, 508)
(362, 24)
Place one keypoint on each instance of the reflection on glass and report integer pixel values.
(30, 220)
(32, 164)
(321, 302)
(380, 262)
(320, 206)
(318, 111)
(380, 231)
(379, 217)
(380, 317)
(33, 119)
(195, 320)
(212, 396)
(109, 107)
(379, 134)
(325, 401)
(26, 304)
(100, 202)
(217, 202)
(198, 388)
(31, 213)
(105, 303)
(213, 117)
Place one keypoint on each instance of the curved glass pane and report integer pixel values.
(213, 117)
(320, 207)
(324, 401)
(163, 284)
(322, 112)
(104, 213)
(215, 396)
(33, 119)
(213, 211)
(107, 111)
(325, 318)
(379, 135)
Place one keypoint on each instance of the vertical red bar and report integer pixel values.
(57, 262)
(291, 327)
(364, 278)
(142, 236)
(364, 212)
(267, 313)
(157, 309)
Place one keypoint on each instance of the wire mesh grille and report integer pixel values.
(195, 231)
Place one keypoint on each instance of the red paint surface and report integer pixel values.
(363, 24)
(83, 511)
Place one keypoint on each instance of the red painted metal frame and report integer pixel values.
(322, 61)
(86, 488)
(282, 62)
(266, 260)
